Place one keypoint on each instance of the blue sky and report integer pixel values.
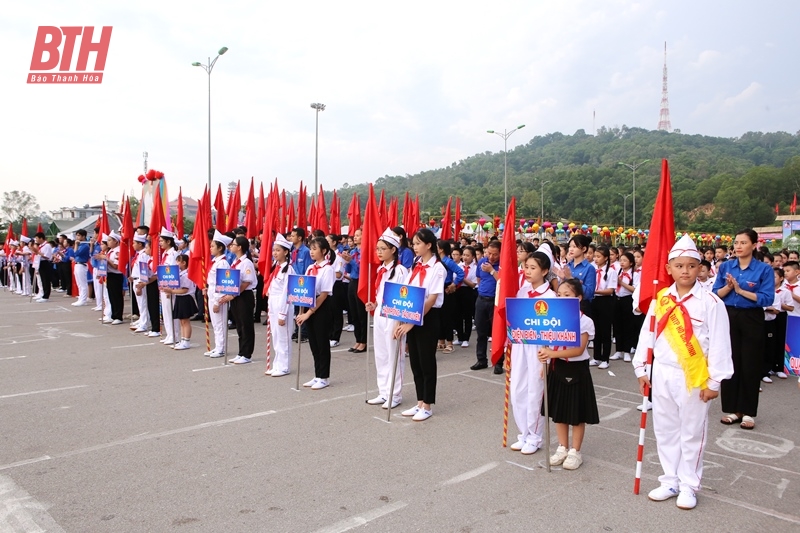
(408, 87)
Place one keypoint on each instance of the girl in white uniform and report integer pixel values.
(385, 345)
(527, 374)
(168, 254)
(139, 275)
(219, 243)
(184, 306)
(624, 332)
(278, 308)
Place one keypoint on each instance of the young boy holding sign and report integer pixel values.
(692, 355)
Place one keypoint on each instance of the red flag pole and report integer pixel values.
(643, 423)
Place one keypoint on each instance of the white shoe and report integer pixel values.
(183, 345)
(217, 355)
(116, 322)
(209, 353)
(42, 300)
(133, 325)
(377, 400)
(517, 446)
(593, 362)
(167, 341)
(140, 330)
(529, 449)
(662, 493)
(242, 360)
(279, 373)
(78, 304)
(107, 320)
(411, 412)
(349, 327)
(647, 406)
(573, 460)
(687, 500)
(422, 414)
(558, 457)
(320, 384)
(603, 365)
(310, 383)
(616, 356)
(766, 379)
(627, 358)
(465, 344)
(153, 334)
(395, 403)
(334, 344)
(98, 308)
(781, 375)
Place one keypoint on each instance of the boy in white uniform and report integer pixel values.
(692, 355)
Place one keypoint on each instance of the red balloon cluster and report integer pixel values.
(152, 175)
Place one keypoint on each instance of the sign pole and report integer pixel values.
(546, 419)
(299, 347)
(366, 351)
(225, 325)
(390, 399)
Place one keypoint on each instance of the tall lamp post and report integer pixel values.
(208, 68)
(542, 198)
(633, 168)
(505, 135)
(317, 107)
(624, 208)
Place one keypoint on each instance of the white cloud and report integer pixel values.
(743, 96)
(705, 58)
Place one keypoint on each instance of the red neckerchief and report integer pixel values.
(599, 277)
(622, 276)
(466, 273)
(294, 255)
(315, 268)
(534, 294)
(687, 318)
(239, 260)
(419, 268)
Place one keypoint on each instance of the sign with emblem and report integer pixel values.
(228, 280)
(144, 270)
(792, 347)
(301, 290)
(102, 268)
(404, 303)
(169, 277)
(544, 321)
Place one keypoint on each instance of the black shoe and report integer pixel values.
(231, 326)
(304, 340)
(294, 336)
(362, 350)
(265, 322)
(256, 320)
(479, 366)
(498, 369)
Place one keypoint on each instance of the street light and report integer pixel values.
(208, 68)
(633, 167)
(624, 208)
(542, 197)
(505, 135)
(317, 107)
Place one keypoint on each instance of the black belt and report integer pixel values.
(79, 263)
(486, 297)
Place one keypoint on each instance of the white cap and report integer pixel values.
(71, 237)
(280, 240)
(114, 235)
(166, 233)
(12, 242)
(685, 247)
(545, 249)
(390, 237)
(224, 239)
(140, 238)
(24, 239)
(104, 238)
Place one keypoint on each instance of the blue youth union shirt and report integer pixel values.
(586, 274)
(758, 277)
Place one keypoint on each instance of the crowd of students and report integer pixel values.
(733, 310)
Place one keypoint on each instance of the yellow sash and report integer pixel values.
(675, 324)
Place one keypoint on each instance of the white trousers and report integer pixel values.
(385, 347)
(83, 285)
(680, 423)
(166, 313)
(106, 301)
(98, 289)
(26, 282)
(527, 393)
(218, 322)
(39, 288)
(281, 339)
(141, 301)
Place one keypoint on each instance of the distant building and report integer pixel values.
(76, 214)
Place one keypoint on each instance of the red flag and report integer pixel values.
(777, 210)
(447, 223)
(392, 220)
(457, 225)
(200, 250)
(234, 206)
(250, 212)
(312, 216)
(508, 281)
(262, 206)
(267, 238)
(290, 216)
(285, 218)
(126, 232)
(660, 242)
(24, 229)
(415, 217)
(354, 214)
(39, 228)
(302, 222)
(179, 216)
(156, 223)
(370, 234)
(336, 218)
(103, 222)
(322, 217)
(219, 205)
(794, 205)
(407, 211)
(382, 213)
(9, 237)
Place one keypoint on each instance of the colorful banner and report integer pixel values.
(544, 321)
(405, 303)
(228, 281)
(792, 347)
(169, 277)
(302, 290)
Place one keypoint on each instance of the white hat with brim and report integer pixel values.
(140, 238)
(114, 235)
(221, 238)
(390, 237)
(25, 239)
(280, 240)
(167, 234)
(685, 247)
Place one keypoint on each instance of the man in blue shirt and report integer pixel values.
(301, 260)
(488, 274)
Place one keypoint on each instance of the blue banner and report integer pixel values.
(169, 277)
(792, 347)
(405, 303)
(302, 290)
(228, 281)
(544, 321)
(102, 268)
(144, 270)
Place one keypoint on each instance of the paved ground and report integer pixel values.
(101, 430)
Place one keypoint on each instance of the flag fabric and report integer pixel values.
(126, 244)
(415, 220)
(392, 220)
(267, 238)
(370, 233)
(200, 251)
(312, 216)
(156, 223)
(234, 206)
(659, 243)
(447, 223)
(179, 215)
(286, 213)
(9, 237)
(262, 205)
(336, 218)
(290, 216)
(302, 221)
(250, 212)
(39, 228)
(354, 214)
(457, 225)
(794, 205)
(24, 229)
(219, 205)
(407, 210)
(322, 218)
(508, 283)
(103, 222)
(382, 213)
(777, 210)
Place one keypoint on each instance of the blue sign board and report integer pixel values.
(405, 303)
(102, 267)
(228, 281)
(302, 290)
(169, 277)
(544, 321)
(792, 348)
(144, 270)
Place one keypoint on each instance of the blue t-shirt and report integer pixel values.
(406, 257)
(82, 255)
(354, 266)
(301, 259)
(758, 277)
(455, 274)
(487, 285)
(586, 274)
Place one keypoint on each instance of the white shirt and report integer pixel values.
(400, 275)
(794, 289)
(470, 273)
(168, 257)
(338, 268)
(629, 277)
(247, 272)
(324, 277)
(782, 297)
(711, 328)
(137, 260)
(113, 257)
(187, 283)
(605, 282)
(587, 326)
(216, 263)
(277, 291)
(46, 251)
(433, 282)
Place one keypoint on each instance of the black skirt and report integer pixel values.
(570, 393)
(184, 306)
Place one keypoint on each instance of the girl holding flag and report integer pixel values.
(169, 253)
(278, 307)
(219, 244)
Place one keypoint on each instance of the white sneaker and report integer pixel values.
(133, 325)
(593, 362)
(687, 500)
(334, 344)
(573, 460)
(279, 373)
(662, 493)
(235, 360)
(647, 406)
(167, 341)
(98, 308)
(781, 375)
(107, 320)
(349, 327)
(217, 355)
(395, 403)
(616, 356)
(320, 384)
(42, 300)
(766, 379)
(517, 446)
(116, 322)
(529, 449)
(183, 345)
(627, 358)
(465, 344)
(209, 353)
(603, 365)
(377, 400)
(153, 334)
(242, 360)
(422, 414)
(310, 383)
(411, 412)
(78, 304)
(558, 457)
(140, 330)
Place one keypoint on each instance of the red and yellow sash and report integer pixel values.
(675, 323)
